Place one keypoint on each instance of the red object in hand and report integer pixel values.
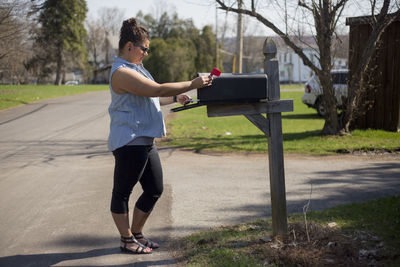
(215, 72)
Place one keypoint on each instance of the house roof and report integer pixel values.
(301, 41)
(350, 21)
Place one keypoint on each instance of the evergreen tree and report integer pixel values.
(61, 35)
(205, 46)
(178, 49)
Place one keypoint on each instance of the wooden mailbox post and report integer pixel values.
(271, 125)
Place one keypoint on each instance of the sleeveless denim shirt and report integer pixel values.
(131, 115)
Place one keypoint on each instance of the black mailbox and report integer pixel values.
(232, 89)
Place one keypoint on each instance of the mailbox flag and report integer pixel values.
(215, 72)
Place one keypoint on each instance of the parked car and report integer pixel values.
(313, 90)
(72, 83)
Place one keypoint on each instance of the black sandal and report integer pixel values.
(130, 240)
(149, 243)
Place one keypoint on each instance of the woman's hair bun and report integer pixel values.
(129, 23)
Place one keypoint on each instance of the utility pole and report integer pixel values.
(239, 46)
(216, 36)
(286, 22)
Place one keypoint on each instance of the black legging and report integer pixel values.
(133, 164)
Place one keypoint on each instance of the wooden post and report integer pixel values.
(272, 127)
(275, 144)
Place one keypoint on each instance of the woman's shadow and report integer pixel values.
(85, 242)
(53, 258)
(42, 260)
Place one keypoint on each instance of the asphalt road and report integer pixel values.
(56, 179)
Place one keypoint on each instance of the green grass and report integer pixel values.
(14, 95)
(239, 245)
(292, 86)
(225, 246)
(192, 129)
(380, 216)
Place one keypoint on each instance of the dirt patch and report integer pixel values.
(324, 246)
(370, 151)
(317, 246)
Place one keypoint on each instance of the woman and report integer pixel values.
(136, 119)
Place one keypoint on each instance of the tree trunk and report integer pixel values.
(107, 48)
(64, 74)
(59, 67)
(96, 65)
(331, 125)
(324, 40)
(94, 78)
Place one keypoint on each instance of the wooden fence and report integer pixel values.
(383, 97)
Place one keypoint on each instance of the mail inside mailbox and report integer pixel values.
(235, 88)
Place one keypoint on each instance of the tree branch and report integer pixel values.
(340, 4)
(373, 4)
(6, 15)
(338, 17)
(382, 21)
(303, 4)
(272, 26)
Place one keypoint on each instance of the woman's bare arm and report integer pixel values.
(182, 99)
(126, 80)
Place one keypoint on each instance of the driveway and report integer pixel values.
(56, 179)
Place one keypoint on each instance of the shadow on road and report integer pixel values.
(56, 258)
(338, 187)
(113, 254)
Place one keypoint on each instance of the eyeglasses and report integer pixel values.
(144, 49)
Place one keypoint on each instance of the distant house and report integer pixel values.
(101, 71)
(291, 67)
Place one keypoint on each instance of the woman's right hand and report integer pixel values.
(201, 81)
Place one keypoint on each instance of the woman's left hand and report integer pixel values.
(183, 99)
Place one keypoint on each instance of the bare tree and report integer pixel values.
(94, 45)
(326, 14)
(99, 41)
(110, 21)
(14, 47)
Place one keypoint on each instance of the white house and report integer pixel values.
(291, 67)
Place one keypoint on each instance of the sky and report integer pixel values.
(202, 12)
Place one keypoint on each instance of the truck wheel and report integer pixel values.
(320, 108)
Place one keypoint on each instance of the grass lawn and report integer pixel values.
(301, 133)
(14, 95)
(365, 233)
